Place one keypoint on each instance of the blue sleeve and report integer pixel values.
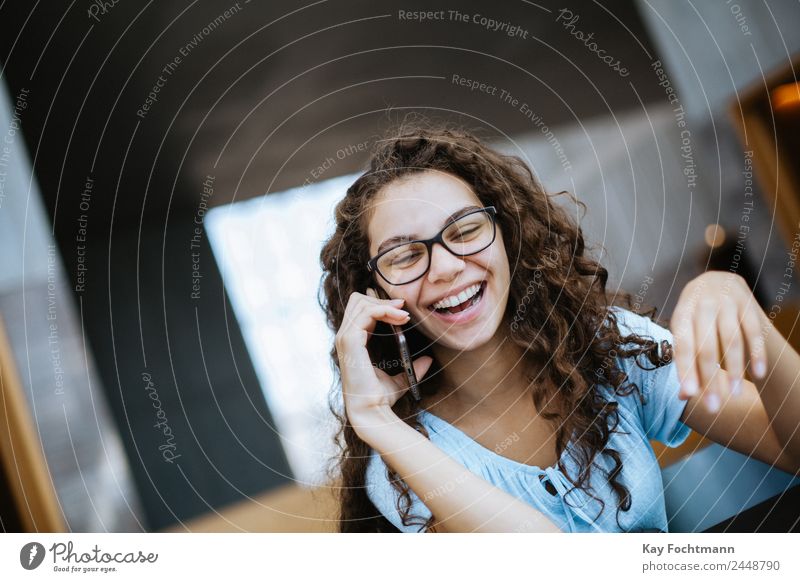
(661, 411)
(384, 497)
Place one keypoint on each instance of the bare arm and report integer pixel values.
(460, 500)
(780, 392)
(759, 418)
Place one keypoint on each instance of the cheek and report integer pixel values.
(500, 267)
(413, 298)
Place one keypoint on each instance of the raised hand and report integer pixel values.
(366, 388)
(717, 324)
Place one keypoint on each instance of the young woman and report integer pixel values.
(539, 392)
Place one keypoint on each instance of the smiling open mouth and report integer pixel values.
(466, 304)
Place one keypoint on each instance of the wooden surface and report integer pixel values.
(287, 509)
(21, 452)
(667, 455)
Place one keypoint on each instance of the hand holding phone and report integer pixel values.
(367, 390)
(405, 353)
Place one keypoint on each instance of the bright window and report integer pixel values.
(268, 251)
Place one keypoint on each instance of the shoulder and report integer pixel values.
(659, 409)
(630, 322)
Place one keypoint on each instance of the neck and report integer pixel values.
(492, 377)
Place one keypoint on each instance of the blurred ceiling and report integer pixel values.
(266, 96)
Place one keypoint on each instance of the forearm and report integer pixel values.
(460, 500)
(780, 390)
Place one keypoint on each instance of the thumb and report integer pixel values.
(422, 365)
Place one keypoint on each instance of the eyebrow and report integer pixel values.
(389, 242)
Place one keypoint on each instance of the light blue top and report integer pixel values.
(658, 419)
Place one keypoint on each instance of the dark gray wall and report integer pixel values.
(89, 469)
(178, 362)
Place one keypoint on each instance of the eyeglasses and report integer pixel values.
(407, 262)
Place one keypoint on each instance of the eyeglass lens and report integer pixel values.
(469, 234)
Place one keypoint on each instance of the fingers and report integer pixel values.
(705, 328)
(371, 293)
(362, 315)
(683, 352)
(730, 333)
(364, 386)
(706, 323)
(422, 365)
(400, 387)
(367, 314)
(394, 303)
(755, 341)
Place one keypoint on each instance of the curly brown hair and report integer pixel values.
(570, 296)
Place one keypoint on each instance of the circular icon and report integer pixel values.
(31, 555)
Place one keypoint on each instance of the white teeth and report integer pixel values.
(454, 300)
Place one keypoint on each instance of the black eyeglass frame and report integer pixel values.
(372, 264)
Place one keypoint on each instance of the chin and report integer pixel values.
(471, 345)
(464, 340)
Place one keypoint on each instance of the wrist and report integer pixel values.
(774, 349)
(372, 422)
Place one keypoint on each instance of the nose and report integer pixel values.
(445, 266)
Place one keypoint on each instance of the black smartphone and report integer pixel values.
(402, 346)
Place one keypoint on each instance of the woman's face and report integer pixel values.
(418, 206)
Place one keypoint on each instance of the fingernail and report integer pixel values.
(690, 386)
(736, 386)
(760, 368)
(712, 401)
(398, 301)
